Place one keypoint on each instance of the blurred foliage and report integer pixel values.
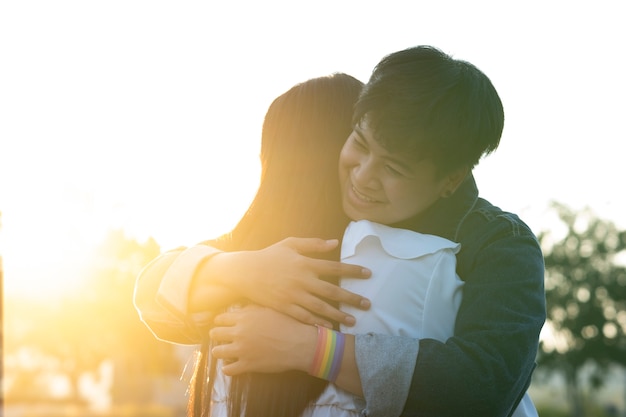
(586, 301)
(75, 334)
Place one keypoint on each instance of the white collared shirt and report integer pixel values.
(414, 290)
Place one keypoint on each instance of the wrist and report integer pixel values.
(224, 269)
(328, 354)
(307, 344)
(208, 291)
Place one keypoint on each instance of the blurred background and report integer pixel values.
(131, 127)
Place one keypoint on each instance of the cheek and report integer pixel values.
(411, 200)
(344, 167)
(346, 160)
(412, 206)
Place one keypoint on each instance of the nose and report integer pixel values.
(364, 174)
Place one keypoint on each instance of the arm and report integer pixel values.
(178, 293)
(282, 277)
(259, 339)
(485, 367)
(160, 295)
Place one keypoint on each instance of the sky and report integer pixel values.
(145, 115)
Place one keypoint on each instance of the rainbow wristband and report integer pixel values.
(328, 354)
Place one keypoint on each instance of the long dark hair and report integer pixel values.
(303, 132)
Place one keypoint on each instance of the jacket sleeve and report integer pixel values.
(385, 365)
(161, 295)
(485, 368)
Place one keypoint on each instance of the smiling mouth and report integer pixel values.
(363, 197)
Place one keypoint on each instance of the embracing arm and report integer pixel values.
(161, 295)
(260, 339)
(178, 293)
(282, 277)
(484, 369)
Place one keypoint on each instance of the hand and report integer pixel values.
(283, 278)
(260, 339)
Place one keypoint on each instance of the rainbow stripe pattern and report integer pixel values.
(328, 354)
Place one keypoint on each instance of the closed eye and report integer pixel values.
(393, 171)
(358, 143)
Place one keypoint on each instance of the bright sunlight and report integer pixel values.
(133, 127)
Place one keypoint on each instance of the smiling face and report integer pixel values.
(386, 187)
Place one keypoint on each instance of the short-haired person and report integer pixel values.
(421, 124)
(436, 116)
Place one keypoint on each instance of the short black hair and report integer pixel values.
(423, 101)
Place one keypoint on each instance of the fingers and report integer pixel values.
(319, 308)
(225, 352)
(338, 269)
(232, 365)
(311, 245)
(221, 334)
(307, 316)
(235, 368)
(310, 309)
(228, 353)
(225, 319)
(336, 293)
(225, 328)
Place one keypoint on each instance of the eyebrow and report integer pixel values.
(403, 164)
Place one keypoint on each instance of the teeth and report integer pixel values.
(363, 197)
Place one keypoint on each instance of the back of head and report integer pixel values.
(303, 132)
(423, 101)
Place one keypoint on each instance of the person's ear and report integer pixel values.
(453, 181)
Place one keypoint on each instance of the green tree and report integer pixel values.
(586, 300)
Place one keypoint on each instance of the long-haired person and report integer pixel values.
(302, 135)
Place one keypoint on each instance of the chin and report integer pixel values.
(352, 213)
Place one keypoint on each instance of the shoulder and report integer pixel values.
(486, 221)
(487, 233)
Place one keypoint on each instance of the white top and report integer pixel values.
(414, 289)
(415, 292)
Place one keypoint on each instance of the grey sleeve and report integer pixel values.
(386, 364)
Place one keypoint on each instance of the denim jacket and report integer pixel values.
(486, 367)
(483, 370)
